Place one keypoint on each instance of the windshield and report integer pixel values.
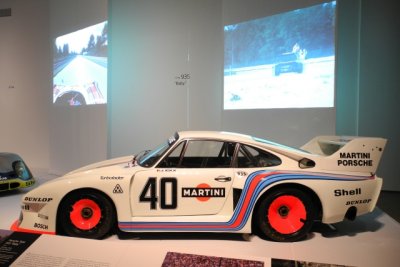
(150, 157)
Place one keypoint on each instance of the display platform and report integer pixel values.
(371, 240)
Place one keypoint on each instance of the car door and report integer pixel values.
(195, 178)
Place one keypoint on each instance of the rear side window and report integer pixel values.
(251, 157)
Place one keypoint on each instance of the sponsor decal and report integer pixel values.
(111, 177)
(357, 202)
(42, 216)
(38, 199)
(203, 192)
(343, 192)
(355, 155)
(354, 159)
(118, 189)
(33, 207)
(29, 183)
(41, 226)
(173, 139)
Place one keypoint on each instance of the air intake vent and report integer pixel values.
(5, 12)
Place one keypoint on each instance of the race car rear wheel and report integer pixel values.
(285, 215)
(87, 214)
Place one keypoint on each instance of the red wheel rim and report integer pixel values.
(85, 214)
(287, 214)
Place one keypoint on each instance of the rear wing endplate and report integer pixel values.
(353, 154)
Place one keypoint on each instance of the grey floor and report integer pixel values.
(389, 202)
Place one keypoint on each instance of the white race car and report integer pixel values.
(212, 182)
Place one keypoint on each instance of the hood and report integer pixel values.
(116, 161)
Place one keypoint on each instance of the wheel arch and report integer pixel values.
(87, 189)
(314, 197)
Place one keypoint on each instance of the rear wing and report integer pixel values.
(348, 154)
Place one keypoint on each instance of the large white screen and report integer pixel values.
(80, 67)
(282, 61)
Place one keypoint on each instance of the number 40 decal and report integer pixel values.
(149, 193)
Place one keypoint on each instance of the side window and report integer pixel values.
(251, 157)
(207, 154)
(172, 160)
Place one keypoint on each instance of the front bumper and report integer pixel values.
(15, 228)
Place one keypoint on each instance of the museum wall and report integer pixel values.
(154, 58)
(25, 74)
(165, 71)
(368, 80)
(166, 74)
(380, 82)
(153, 43)
(78, 134)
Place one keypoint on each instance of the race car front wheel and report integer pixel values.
(285, 215)
(86, 214)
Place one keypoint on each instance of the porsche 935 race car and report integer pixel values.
(14, 173)
(212, 182)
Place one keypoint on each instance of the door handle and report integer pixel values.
(223, 179)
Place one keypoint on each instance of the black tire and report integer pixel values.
(285, 215)
(87, 214)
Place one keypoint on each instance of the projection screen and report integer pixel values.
(80, 67)
(285, 60)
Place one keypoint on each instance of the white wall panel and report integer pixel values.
(24, 81)
(165, 71)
